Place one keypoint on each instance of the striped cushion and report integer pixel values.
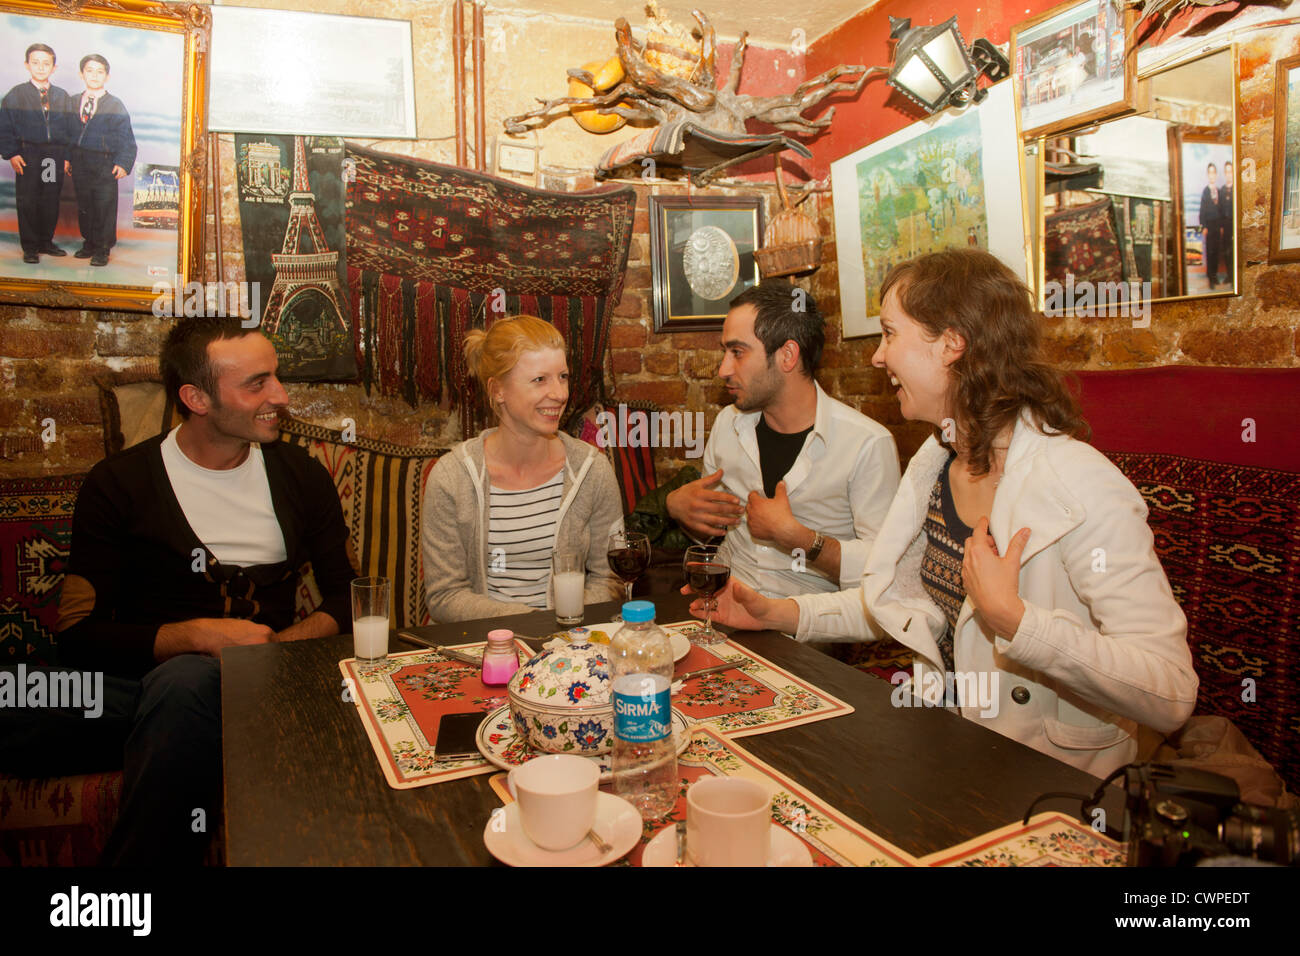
(380, 486)
(635, 467)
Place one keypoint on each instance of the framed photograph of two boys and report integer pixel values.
(101, 133)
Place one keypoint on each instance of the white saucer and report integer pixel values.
(681, 646)
(509, 751)
(617, 822)
(787, 849)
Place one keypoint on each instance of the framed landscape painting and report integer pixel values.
(950, 180)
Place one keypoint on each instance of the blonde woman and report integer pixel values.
(497, 506)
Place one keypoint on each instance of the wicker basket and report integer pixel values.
(789, 258)
(792, 242)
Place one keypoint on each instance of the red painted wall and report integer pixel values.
(769, 71)
(878, 111)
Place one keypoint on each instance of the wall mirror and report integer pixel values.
(1142, 208)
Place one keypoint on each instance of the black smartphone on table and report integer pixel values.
(457, 736)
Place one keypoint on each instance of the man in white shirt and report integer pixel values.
(798, 482)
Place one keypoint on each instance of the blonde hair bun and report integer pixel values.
(492, 354)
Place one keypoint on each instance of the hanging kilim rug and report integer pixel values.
(435, 250)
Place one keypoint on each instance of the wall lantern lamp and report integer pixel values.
(934, 69)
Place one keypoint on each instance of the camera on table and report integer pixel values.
(1178, 817)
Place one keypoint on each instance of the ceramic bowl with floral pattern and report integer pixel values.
(560, 699)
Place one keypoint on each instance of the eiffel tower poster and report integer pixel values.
(291, 203)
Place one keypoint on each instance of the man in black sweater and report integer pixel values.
(181, 546)
(102, 151)
(32, 137)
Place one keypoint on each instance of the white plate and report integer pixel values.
(499, 754)
(787, 849)
(617, 822)
(681, 646)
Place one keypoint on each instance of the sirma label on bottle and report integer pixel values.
(642, 710)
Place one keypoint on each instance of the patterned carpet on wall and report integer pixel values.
(1228, 537)
(435, 250)
(380, 486)
(35, 538)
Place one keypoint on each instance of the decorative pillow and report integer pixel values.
(35, 538)
(133, 407)
(57, 821)
(635, 467)
(1228, 537)
(380, 486)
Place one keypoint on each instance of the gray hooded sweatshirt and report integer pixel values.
(454, 526)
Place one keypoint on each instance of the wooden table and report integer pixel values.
(303, 785)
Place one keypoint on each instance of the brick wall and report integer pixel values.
(48, 358)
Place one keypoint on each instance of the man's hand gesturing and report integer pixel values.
(770, 519)
(702, 510)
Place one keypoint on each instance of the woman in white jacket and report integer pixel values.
(1015, 560)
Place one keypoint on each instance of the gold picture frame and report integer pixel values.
(1284, 211)
(160, 68)
(1064, 76)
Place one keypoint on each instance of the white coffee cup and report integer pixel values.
(557, 799)
(728, 822)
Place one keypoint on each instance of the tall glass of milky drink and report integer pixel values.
(568, 582)
(371, 598)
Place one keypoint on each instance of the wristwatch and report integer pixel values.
(819, 542)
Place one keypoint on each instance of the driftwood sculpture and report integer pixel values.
(648, 94)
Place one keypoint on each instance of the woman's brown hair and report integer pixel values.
(1002, 370)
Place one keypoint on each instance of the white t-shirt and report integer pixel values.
(230, 509)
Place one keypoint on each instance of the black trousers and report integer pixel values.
(92, 174)
(1210, 240)
(163, 731)
(37, 190)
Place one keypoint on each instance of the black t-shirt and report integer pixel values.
(776, 453)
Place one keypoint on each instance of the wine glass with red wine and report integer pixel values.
(707, 572)
(629, 556)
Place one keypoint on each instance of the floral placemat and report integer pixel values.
(401, 701)
(756, 697)
(1049, 839)
(832, 838)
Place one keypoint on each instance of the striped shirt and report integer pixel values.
(521, 538)
(945, 548)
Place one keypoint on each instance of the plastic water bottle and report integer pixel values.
(645, 758)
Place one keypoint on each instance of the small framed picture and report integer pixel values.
(701, 257)
(1073, 65)
(1206, 210)
(1284, 231)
